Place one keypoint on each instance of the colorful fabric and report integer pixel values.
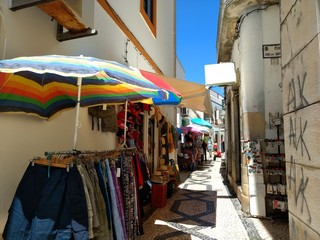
(118, 227)
(119, 199)
(128, 190)
(102, 231)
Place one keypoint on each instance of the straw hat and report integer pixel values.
(162, 161)
(157, 173)
(152, 110)
(157, 113)
(170, 170)
(157, 177)
(163, 151)
(163, 167)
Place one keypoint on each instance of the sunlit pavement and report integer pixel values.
(204, 208)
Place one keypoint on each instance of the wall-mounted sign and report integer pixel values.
(221, 74)
(271, 51)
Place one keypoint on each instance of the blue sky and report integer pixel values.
(197, 22)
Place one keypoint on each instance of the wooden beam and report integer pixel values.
(64, 15)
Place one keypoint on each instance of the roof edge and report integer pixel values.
(230, 12)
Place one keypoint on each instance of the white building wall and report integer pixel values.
(31, 32)
(261, 78)
(251, 73)
(272, 72)
(251, 95)
(260, 92)
(165, 25)
(235, 55)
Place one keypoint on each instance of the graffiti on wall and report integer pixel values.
(296, 136)
(296, 98)
(299, 184)
(295, 231)
(297, 180)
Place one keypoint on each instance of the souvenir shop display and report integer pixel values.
(88, 194)
(188, 151)
(253, 161)
(199, 153)
(275, 177)
(167, 145)
(81, 195)
(191, 151)
(266, 161)
(166, 176)
(130, 124)
(252, 149)
(151, 142)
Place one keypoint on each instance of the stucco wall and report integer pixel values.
(165, 25)
(31, 32)
(251, 71)
(300, 71)
(260, 88)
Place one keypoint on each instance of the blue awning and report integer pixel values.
(201, 122)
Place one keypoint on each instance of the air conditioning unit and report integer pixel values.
(184, 111)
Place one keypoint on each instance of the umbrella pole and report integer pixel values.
(125, 126)
(77, 123)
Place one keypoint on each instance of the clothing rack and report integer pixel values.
(65, 159)
(54, 161)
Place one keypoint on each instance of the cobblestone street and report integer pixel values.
(203, 208)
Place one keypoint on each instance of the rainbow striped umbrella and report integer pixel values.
(174, 97)
(46, 85)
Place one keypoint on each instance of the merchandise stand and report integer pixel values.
(275, 178)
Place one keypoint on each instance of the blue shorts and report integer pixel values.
(48, 207)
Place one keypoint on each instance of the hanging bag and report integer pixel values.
(109, 119)
(107, 116)
(94, 113)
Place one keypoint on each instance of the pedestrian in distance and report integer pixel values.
(216, 154)
(204, 148)
(210, 147)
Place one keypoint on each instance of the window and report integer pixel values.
(148, 10)
(184, 111)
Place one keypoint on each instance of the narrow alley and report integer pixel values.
(203, 207)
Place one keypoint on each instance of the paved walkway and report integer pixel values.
(204, 208)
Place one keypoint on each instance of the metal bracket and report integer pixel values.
(64, 36)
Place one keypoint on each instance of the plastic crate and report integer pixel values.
(159, 195)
